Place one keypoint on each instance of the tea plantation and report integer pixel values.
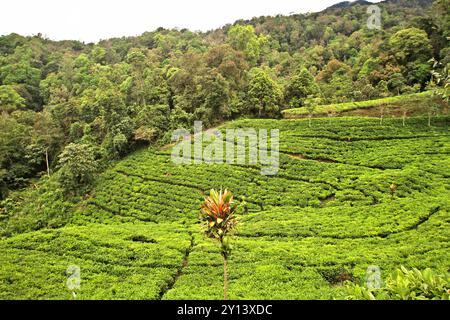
(325, 218)
(410, 103)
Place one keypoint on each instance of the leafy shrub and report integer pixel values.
(78, 167)
(404, 284)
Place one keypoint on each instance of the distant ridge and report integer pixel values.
(405, 3)
(346, 4)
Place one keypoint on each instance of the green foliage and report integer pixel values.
(243, 38)
(323, 219)
(264, 93)
(38, 207)
(122, 93)
(421, 98)
(442, 78)
(10, 100)
(410, 45)
(218, 211)
(78, 167)
(412, 49)
(14, 139)
(404, 284)
(116, 262)
(134, 229)
(300, 87)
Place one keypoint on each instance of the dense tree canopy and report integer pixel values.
(264, 93)
(300, 86)
(122, 92)
(77, 166)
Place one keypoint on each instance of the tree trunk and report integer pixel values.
(404, 118)
(225, 277)
(381, 116)
(46, 162)
(429, 119)
(310, 116)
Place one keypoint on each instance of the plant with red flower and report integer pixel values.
(218, 210)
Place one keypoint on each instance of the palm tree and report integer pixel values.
(218, 211)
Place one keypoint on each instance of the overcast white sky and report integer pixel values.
(92, 20)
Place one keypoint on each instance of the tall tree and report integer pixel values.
(243, 38)
(412, 49)
(264, 93)
(299, 87)
(46, 139)
(77, 167)
(10, 100)
(137, 59)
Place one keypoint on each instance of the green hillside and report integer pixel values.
(93, 206)
(324, 218)
(411, 104)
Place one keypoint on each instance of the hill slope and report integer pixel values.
(323, 219)
(417, 104)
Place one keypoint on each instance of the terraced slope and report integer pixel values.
(416, 104)
(323, 219)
